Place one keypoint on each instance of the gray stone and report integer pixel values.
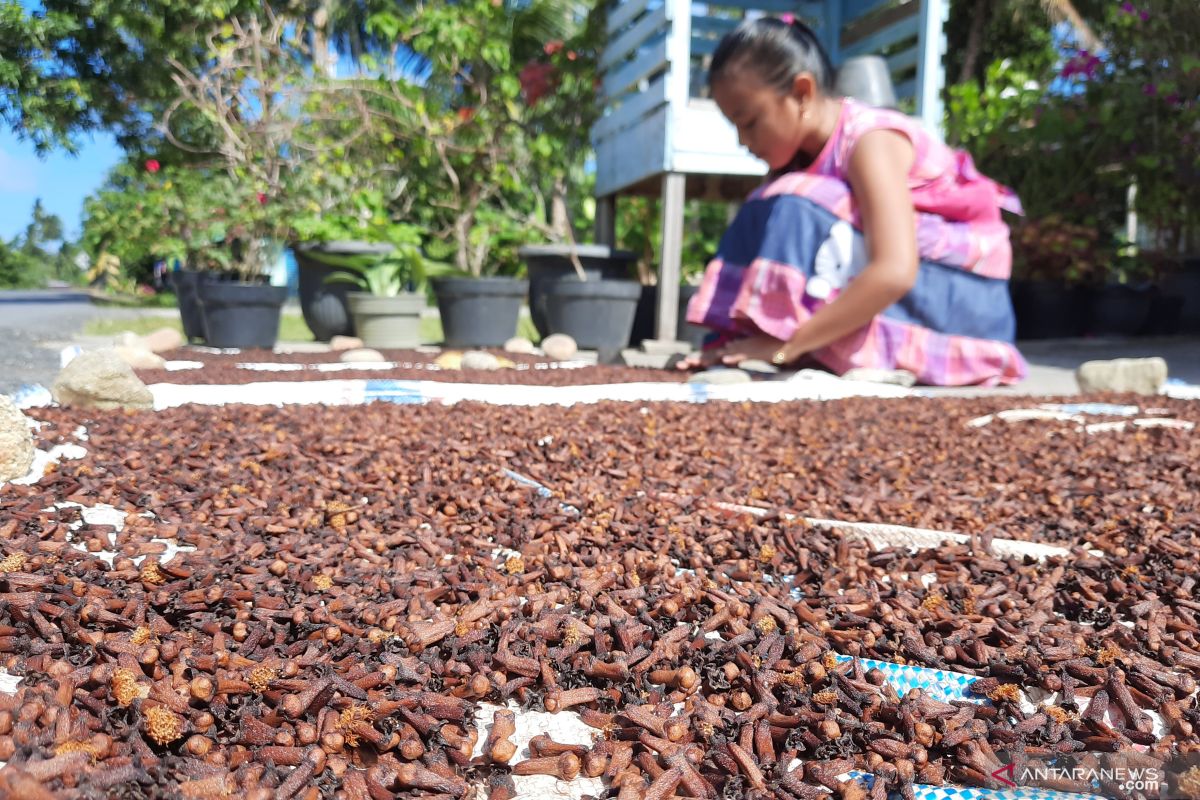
(101, 379)
(721, 376)
(362, 355)
(636, 358)
(127, 339)
(478, 359)
(559, 346)
(666, 347)
(1140, 375)
(758, 365)
(338, 343)
(16, 441)
(895, 377)
(140, 357)
(162, 340)
(519, 345)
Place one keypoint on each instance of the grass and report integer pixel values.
(291, 327)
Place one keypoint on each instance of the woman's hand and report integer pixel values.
(759, 347)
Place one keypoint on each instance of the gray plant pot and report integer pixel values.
(597, 314)
(324, 305)
(479, 312)
(868, 80)
(546, 263)
(389, 323)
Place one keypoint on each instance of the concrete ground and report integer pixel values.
(36, 325)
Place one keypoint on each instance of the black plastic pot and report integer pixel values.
(324, 305)
(1120, 310)
(1164, 317)
(547, 263)
(479, 312)
(597, 314)
(241, 314)
(1048, 310)
(185, 283)
(647, 311)
(1186, 285)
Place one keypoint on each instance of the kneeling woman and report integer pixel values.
(871, 244)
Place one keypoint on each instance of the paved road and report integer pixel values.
(35, 325)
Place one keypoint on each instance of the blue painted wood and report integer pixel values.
(717, 25)
(906, 28)
(627, 11)
(855, 9)
(634, 37)
(650, 61)
(773, 6)
(632, 109)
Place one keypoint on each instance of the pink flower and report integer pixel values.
(1150, 90)
(1144, 15)
(262, 199)
(1084, 64)
(1128, 8)
(152, 166)
(553, 47)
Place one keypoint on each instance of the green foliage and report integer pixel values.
(38, 254)
(405, 269)
(639, 229)
(1072, 137)
(198, 218)
(490, 159)
(71, 66)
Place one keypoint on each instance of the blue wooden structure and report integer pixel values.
(661, 135)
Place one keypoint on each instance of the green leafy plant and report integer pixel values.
(491, 156)
(405, 269)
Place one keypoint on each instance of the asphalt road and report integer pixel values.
(34, 326)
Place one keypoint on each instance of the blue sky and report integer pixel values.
(62, 181)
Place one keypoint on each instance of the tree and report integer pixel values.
(267, 115)
(485, 144)
(73, 66)
(38, 253)
(980, 32)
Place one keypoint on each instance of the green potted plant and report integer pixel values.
(260, 119)
(587, 291)
(387, 306)
(467, 154)
(355, 225)
(241, 308)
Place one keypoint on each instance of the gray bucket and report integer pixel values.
(868, 80)
(390, 323)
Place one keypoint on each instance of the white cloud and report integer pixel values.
(16, 174)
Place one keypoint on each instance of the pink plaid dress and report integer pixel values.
(797, 242)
